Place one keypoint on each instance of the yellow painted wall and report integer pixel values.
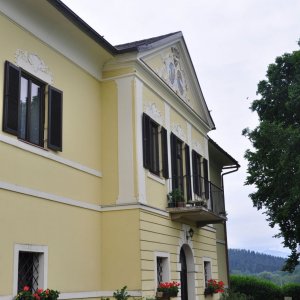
(160, 234)
(81, 125)
(29, 220)
(222, 263)
(120, 250)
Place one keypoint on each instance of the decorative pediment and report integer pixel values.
(173, 65)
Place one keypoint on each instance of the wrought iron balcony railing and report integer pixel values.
(196, 199)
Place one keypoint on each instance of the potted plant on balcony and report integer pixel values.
(167, 290)
(176, 198)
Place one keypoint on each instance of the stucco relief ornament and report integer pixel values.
(198, 147)
(152, 111)
(32, 63)
(173, 73)
(178, 131)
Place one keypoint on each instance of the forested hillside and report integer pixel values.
(250, 262)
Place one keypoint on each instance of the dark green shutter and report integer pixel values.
(188, 173)
(146, 140)
(205, 174)
(11, 98)
(55, 102)
(164, 149)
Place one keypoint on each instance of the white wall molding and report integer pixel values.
(49, 155)
(46, 196)
(125, 141)
(81, 204)
(141, 181)
(156, 178)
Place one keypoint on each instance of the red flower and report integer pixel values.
(39, 291)
(47, 291)
(26, 288)
(36, 296)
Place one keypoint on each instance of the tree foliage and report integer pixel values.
(250, 262)
(274, 164)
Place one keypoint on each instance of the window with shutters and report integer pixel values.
(180, 160)
(25, 99)
(200, 175)
(155, 152)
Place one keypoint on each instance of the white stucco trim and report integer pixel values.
(168, 128)
(139, 141)
(125, 141)
(43, 264)
(47, 196)
(156, 178)
(49, 155)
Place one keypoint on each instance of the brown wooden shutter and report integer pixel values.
(164, 149)
(11, 98)
(146, 140)
(188, 173)
(55, 102)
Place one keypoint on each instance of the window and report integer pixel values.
(28, 270)
(200, 184)
(155, 151)
(207, 271)
(162, 267)
(196, 159)
(30, 267)
(181, 174)
(24, 108)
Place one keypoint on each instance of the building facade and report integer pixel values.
(108, 177)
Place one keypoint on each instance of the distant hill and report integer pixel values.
(250, 262)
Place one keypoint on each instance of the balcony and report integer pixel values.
(196, 200)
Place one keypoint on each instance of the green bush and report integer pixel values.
(257, 288)
(230, 295)
(291, 290)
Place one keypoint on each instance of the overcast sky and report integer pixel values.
(231, 43)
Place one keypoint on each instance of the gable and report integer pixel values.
(173, 65)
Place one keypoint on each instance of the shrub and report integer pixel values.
(121, 294)
(291, 290)
(230, 295)
(257, 288)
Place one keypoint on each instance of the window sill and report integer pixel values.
(156, 178)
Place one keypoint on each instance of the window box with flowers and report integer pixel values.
(213, 287)
(39, 294)
(167, 290)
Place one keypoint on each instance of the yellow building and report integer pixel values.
(108, 177)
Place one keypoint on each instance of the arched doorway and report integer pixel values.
(187, 273)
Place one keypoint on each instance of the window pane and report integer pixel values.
(23, 108)
(28, 270)
(34, 119)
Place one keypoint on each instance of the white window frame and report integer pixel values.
(43, 264)
(207, 260)
(166, 266)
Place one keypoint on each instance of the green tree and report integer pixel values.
(274, 162)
